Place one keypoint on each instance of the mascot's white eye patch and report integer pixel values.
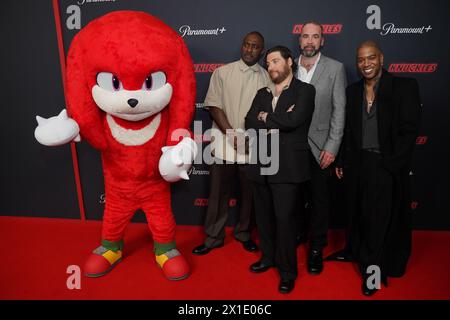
(154, 81)
(108, 81)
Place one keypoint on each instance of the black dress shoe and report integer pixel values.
(342, 256)
(286, 286)
(250, 246)
(202, 249)
(259, 267)
(315, 262)
(368, 292)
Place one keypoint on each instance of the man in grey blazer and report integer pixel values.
(325, 133)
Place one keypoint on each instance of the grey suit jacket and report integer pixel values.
(327, 126)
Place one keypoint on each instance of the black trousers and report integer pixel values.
(222, 177)
(320, 205)
(369, 227)
(275, 208)
(314, 212)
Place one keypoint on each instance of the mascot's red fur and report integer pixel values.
(130, 85)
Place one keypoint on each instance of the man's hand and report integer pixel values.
(339, 172)
(232, 137)
(238, 139)
(262, 116)
(326, 158)
(241, 142)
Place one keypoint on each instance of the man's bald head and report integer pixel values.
(257, 34)
(370, 43)
(252, 48)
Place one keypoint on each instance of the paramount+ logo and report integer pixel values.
(374, 22)
(73, 21)
(186, 30)
(327, 28)
(413, 67)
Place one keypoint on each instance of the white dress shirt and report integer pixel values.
(303, 74)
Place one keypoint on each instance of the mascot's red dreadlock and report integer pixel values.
(130, 91)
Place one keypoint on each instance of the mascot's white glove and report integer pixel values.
(56, 131)
(177, 160)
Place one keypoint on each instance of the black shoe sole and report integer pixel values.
(262, 270)
(285, 292)
(315, 272)
(202, 253)
(259, 271)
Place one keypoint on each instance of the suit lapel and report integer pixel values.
(319, 69)
(357, 112)
(384, 97)
(267, 102)
(285, 96)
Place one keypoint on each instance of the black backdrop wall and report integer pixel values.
(40, 181)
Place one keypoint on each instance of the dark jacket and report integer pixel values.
(293, 130)
(398, 115)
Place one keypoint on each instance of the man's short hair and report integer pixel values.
(285, 53)
(258, 34)
(370, 43)
(316, 24)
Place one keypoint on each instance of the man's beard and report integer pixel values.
(281, 75)
(310, 52)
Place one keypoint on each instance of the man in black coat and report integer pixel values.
(382, 123)
(284, 109)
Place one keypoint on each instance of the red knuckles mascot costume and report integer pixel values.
(130, 91)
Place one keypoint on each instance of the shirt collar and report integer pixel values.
(244, 67)
(271, 87)
(315, 63)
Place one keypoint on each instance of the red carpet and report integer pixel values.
(36, 253)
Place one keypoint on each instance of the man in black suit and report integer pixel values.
(285, 109)
(382, 123)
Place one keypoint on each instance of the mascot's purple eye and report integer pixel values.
(154, 81)
(108, 81)
(148, 83)
(116, 83)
